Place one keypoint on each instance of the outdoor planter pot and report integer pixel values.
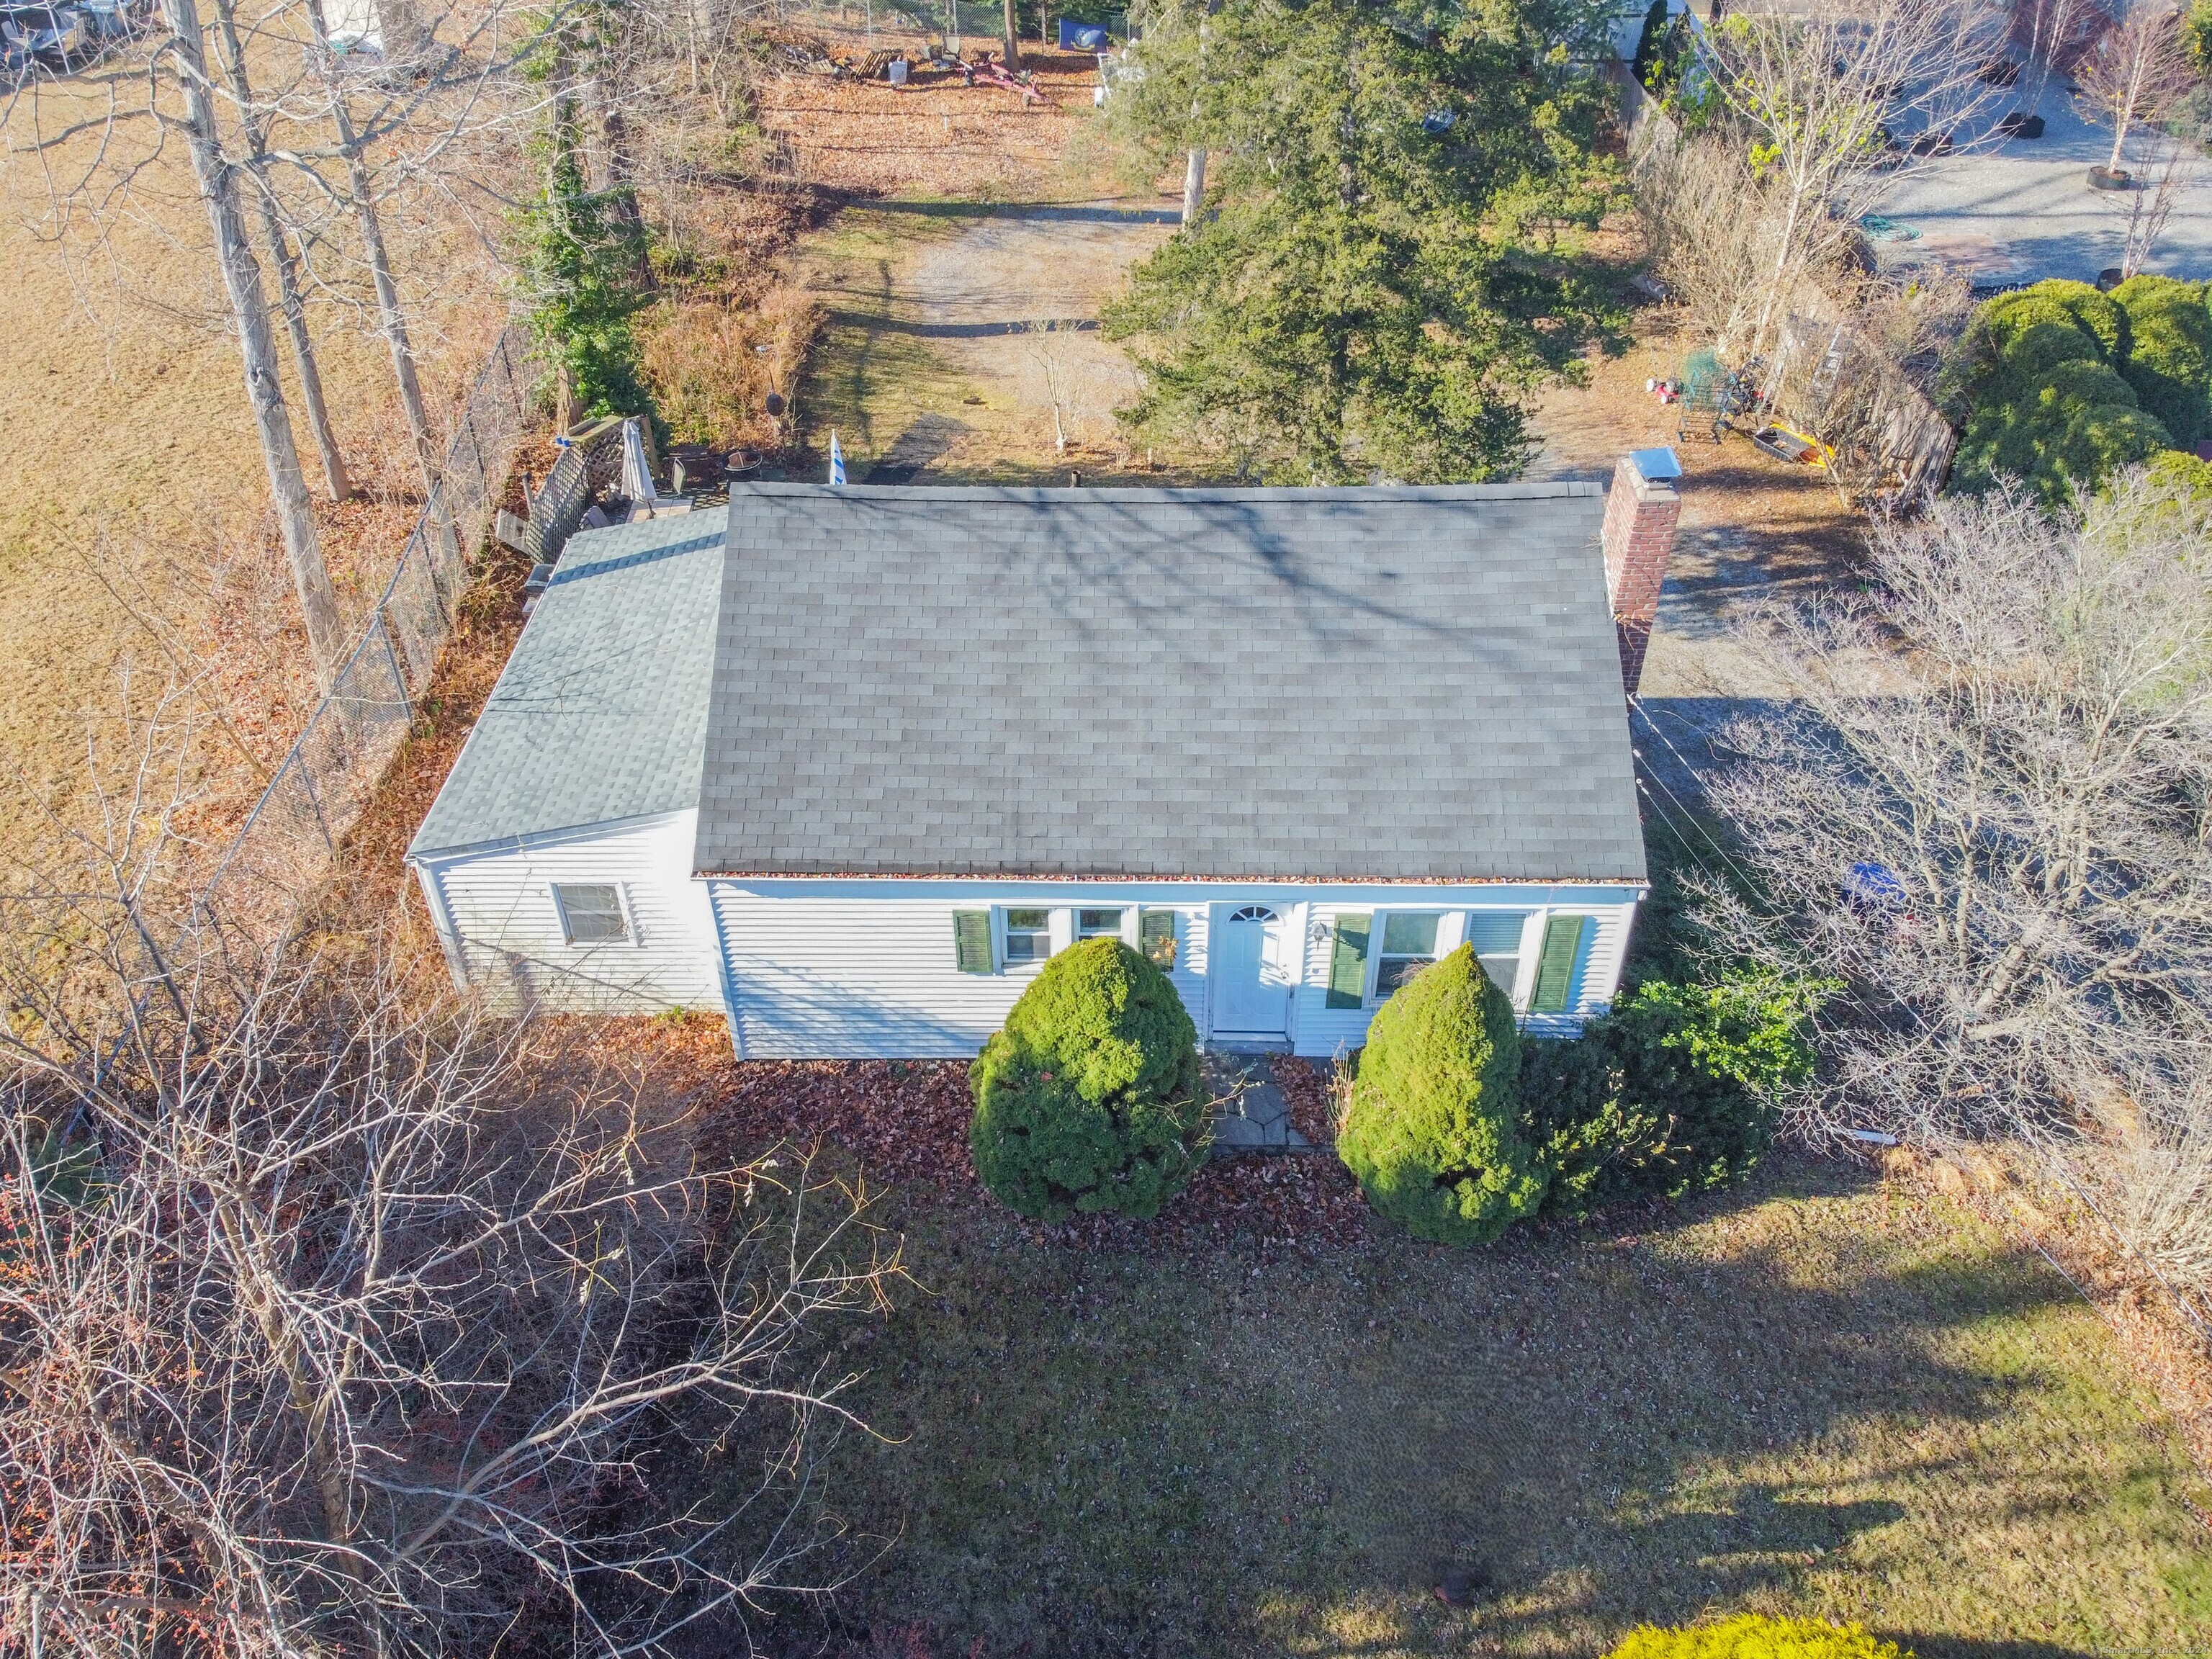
(2021, 125)
(2111, 178)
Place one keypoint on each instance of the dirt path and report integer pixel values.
(963, 342)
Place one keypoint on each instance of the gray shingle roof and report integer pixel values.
(601, 712)
(1385, 684)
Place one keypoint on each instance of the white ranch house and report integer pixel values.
(850, 764)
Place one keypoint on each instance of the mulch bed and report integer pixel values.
(905, 1122)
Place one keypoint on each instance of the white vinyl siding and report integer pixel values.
(835, 967)
(502, 926)
(857, 977)
(832, 969)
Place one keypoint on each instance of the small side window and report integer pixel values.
(1029, 935)
(1098, 924)
(590, 912)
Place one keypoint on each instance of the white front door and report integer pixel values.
(1251, 972)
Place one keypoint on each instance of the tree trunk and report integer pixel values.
(1013, 38)
(1194, 186)
(280, 255)
(311, 579)
(392, 319)
(606, 153)
(408, 42)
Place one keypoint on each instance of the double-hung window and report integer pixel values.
(1409, 944)
(1098, 924)
(590, 912)
(1029, 936)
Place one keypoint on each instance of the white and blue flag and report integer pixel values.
(836, 461)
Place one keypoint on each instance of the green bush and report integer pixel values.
(2169, 360)
(1672, 1093)
(2077, 305)
(2181, 474)
(2079, 427)
(2196, 37)
(1757, 1635)
(1090, 1098)
(1432, 1133)
(2060, 386)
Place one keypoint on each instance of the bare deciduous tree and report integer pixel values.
(318, 606)
(2003, 842)
(2135, 73)
(1835, 93)
(332, 1320)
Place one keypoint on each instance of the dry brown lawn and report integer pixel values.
(135, 534)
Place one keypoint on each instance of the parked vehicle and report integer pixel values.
(112, 19)
(52, 34)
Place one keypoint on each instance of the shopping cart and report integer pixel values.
(1711, 396)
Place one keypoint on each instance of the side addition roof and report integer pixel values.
(1380, 684)
(601, 712)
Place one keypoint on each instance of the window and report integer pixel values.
(1254, 913)
(1409, 944)
(1098, 924)
(1156, 929)
(1495, 936)
(590, 912)
(1029, 935)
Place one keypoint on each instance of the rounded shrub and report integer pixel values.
(2097, 315)
(2169, 361)
(1090, 1098)
(1673, 1093)
(1433, 1132)
(2024, 366)
(1757, 1635)
(2082, 425)
(2181, 474)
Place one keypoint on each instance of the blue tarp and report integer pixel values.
(1081, 37)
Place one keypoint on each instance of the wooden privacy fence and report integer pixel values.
(290, 840)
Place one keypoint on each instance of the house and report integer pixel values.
(850, 764)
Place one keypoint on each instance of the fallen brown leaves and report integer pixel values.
(905, 1124)
(1309, 1090)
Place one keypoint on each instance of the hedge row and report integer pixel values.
(2060, 386)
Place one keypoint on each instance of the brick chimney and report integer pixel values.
(1640, 513)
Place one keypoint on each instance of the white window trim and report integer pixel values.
(1056, 923)
(1380, 915)
(633, 935)
(1125, 932)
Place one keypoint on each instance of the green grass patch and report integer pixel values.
(1817, 1397)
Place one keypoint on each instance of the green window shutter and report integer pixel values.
(1555, 970)
(1347, 962)
(1156, 938)
(971, 940)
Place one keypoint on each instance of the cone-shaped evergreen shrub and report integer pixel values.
(1432, 1133)
(1756, 1635)
(1090, 1098)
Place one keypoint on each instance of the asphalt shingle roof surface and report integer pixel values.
(1381, 683)
(601, 712)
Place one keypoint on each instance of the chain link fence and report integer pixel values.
(290, 840)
